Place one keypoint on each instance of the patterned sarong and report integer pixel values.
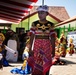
(42, 60)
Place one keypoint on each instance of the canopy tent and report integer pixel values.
(14, 11)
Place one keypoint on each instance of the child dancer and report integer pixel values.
(25, 68)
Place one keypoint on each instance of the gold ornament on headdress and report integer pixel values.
(28, 41)
(2, 37)
(71, 40)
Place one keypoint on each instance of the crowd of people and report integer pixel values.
(62, 48)
(13, 41)
(16, 41)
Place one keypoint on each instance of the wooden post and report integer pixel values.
(64, 29)
(29, 20)
(69, 28)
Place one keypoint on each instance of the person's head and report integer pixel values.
(42, 12)
(2, 38)
(71, 40)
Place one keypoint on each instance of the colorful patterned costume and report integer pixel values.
(2, 38)
(71, 47)
(63, 45)
(56, 59)
(41, 61)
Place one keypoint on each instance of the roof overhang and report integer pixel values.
(14, 11)
(66, 21)
(29, 15)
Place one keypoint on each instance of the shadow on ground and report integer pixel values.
(68, 61)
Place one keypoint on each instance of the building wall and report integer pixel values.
(27, 22)
(67, 27)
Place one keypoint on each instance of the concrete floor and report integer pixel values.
(68, 69)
